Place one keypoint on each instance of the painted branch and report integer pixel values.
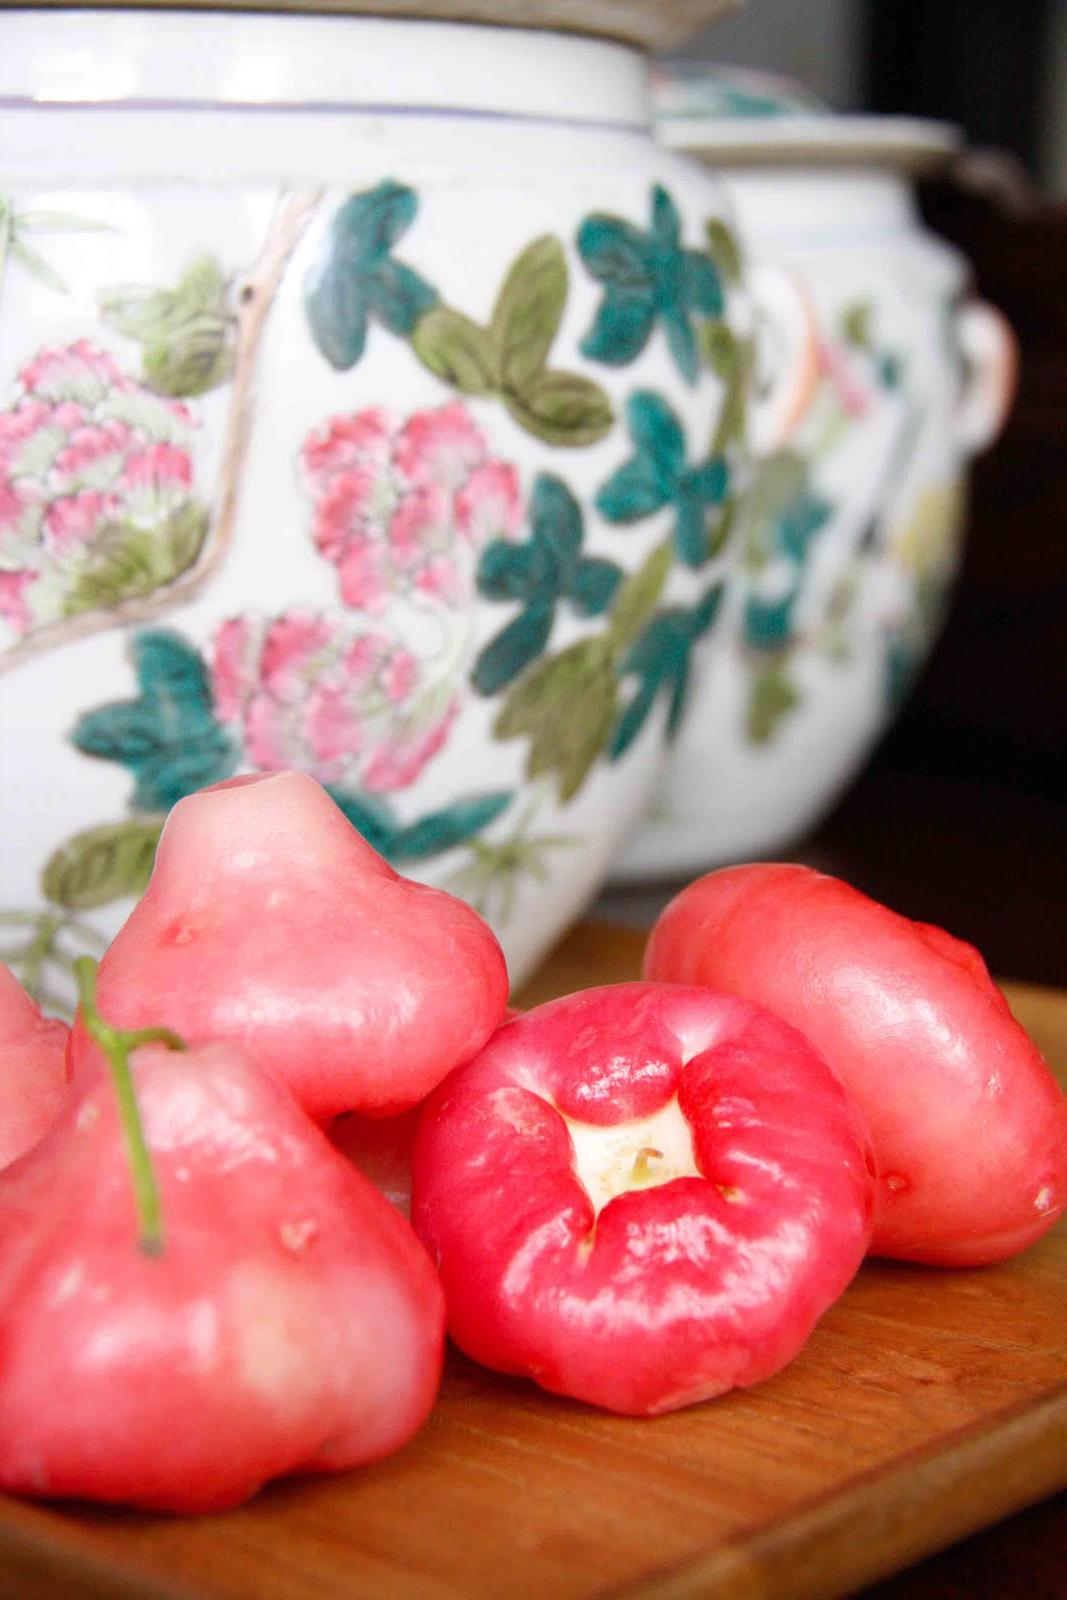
(255, 299)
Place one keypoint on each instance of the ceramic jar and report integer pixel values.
(356, 415)
(849, 534)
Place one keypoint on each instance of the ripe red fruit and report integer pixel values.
(969, 1125)
(33, 1080)
(289, 1322)
(269, 921)
(641, 1195)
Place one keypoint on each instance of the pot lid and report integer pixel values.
(758, 119)
(652, 24)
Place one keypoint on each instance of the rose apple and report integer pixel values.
(269, 921)
(276, 1315)
(969, 1125)
(641, 1195)
(33, 1080)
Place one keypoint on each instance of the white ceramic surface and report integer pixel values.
(850, 535)
(354, 415)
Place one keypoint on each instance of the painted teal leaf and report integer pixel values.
(682, 343)
(615, 252)
(635, 491)
(509, 571)
(657, 434)
(704, 291)
(691, 537)
(621, 329)
(443, 830)
(660, 659)
(547, 569)
(168, 738)
(647, 277)
(768, 624)
(594, 586)
(398, 297)
(556, 517)
(666, 221)
(355, 277)
(514, 648)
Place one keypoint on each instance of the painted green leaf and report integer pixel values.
(638, 597)
(457, 350)
(528, 312)
(103, 864)
(443, 830)
(562, 408)
(566, 706)
(725, 250)
(773, 696)
(126, 561)
(36, 265)
(188, 332)
(856, 324)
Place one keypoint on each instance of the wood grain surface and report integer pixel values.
(651, 24)
(926, 1405)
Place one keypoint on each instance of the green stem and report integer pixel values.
(118, 1045)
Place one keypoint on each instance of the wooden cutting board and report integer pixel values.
(926, 1405)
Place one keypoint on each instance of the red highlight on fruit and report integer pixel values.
(642, 1195)
(270, 922)
(33, 1080)
(285, 1318)
(969, 1125)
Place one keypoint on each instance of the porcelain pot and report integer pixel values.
(849, 533)
(357, 416)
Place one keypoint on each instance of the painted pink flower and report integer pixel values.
(13, 608)
(85, 449)
(398, 760)
(405, 509)
(76, 520)
(852, 392)
(350, 710)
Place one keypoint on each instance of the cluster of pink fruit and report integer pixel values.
(640, 1195)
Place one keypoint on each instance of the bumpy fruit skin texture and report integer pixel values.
(292, 1323)
(33, 1081)
(969, 1125)
(673, 1293)
(270, 922)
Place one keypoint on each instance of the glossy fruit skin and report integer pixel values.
(969, 1125)
(33, 1079)
(269, 921)
(678, 1292)
(293, 1322)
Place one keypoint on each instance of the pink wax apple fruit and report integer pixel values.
(969, 1125)
(270, 921)
(260, 1310)
(33, 1078)
(642, 1195)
